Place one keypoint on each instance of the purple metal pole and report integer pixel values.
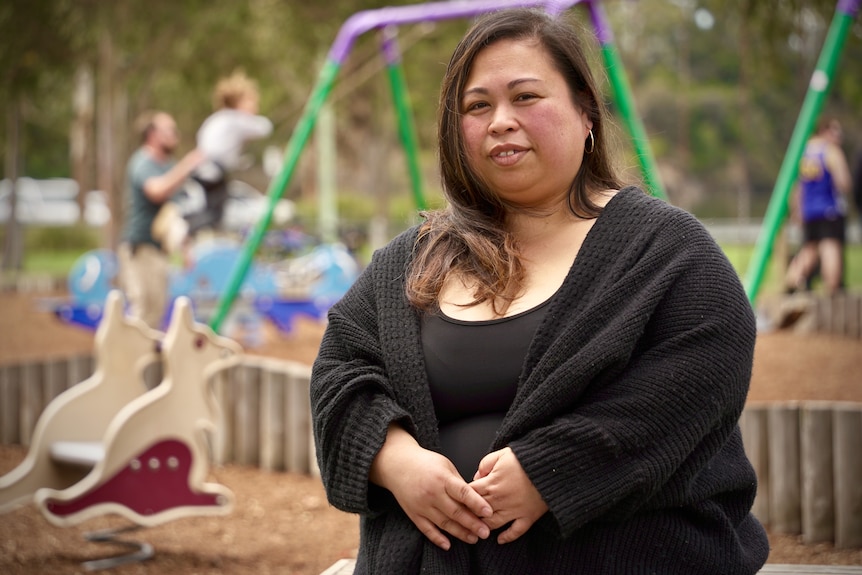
(600, 24)
(366, 20)
(849, 7)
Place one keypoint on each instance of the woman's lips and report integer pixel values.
(508, 156)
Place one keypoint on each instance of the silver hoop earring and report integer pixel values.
(592, 144)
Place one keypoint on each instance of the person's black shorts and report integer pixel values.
(825, 229)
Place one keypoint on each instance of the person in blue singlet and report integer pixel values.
(821, 209)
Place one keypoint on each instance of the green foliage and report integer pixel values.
(28, 49)
(61, 238)
(740, 256)
(719, 104)
(56, 264)
(53, 250)
(355, 211)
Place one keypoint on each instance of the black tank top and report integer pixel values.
(473, 369)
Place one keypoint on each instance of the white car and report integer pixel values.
(52, 202)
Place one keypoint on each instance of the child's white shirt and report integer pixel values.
(222, 135)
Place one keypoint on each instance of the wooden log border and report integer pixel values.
(264, 410)
(809, 466)
(806, 454)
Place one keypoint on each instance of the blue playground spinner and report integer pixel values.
(306, 285)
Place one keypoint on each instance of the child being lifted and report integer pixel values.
(221, 139)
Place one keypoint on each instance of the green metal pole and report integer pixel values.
(324, 139)
(624, 100)
(776, 211)
(403, 109)
(297, 142)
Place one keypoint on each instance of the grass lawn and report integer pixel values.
(55, 263)
(740, 256)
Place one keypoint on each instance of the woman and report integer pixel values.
(546, 376)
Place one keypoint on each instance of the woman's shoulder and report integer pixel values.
(400, 247)
(635, 217)
(655, 229)
(634, 202)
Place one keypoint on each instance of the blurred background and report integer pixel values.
(718, 85)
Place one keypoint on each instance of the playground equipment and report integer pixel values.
(124, 348)
(304, 285)
(111, 446)
(89, 282)
(818, 88)
(387, 20)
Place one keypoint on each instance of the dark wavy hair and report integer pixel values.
(469, 237)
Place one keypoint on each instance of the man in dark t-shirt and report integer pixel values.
(152, 178)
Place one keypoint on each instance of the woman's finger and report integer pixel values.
(518, 528)
(430, 530)
(457, 530)
(464, 494)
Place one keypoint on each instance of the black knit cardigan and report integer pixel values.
(625, 418)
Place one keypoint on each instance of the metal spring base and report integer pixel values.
(141, 550)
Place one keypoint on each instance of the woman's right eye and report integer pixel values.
(473, 106)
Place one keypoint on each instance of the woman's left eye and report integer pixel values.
(522, 97)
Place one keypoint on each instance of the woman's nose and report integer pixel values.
(503, 119)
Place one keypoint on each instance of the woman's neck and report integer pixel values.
(538, 225)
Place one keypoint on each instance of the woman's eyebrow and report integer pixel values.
(510, 85)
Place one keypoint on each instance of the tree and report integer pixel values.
(27, 55)
(719, 108)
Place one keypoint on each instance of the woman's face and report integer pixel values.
(522, 131)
